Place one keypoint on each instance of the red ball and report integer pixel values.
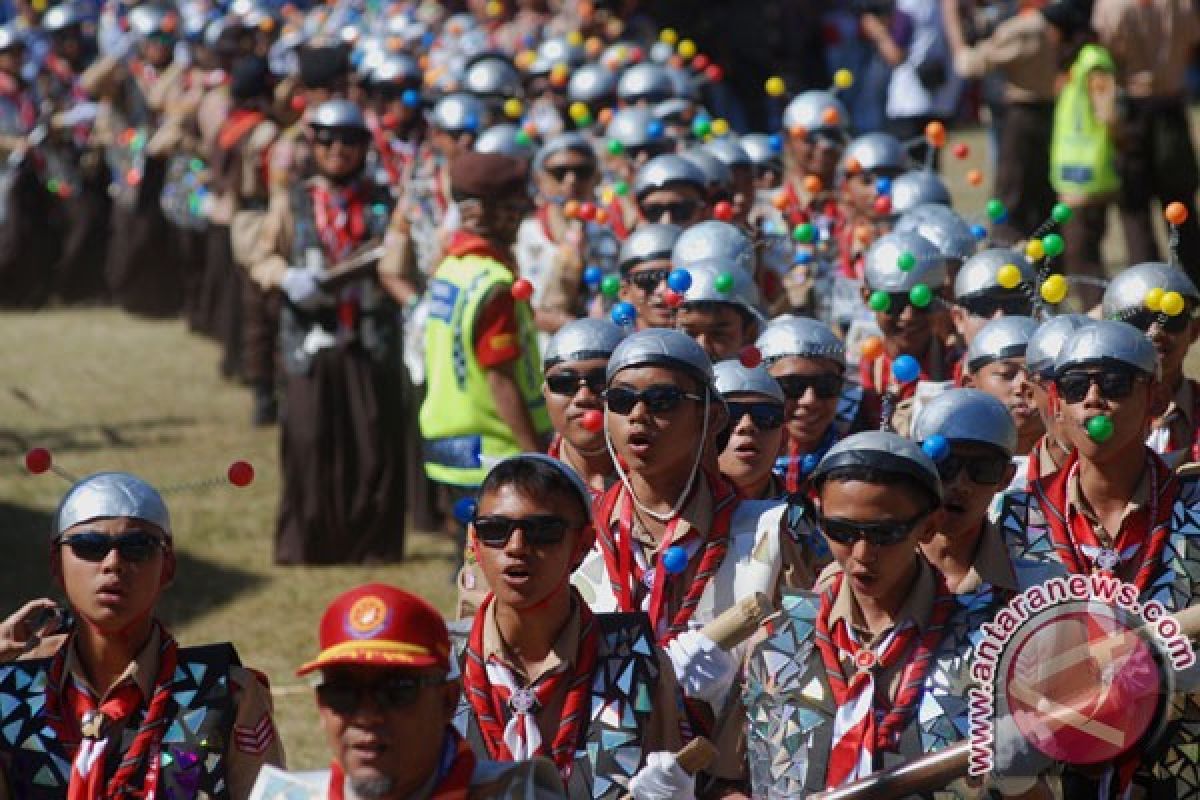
(701, 62)
(723, 211)
(672, 298)
(390, 120)
(714, 73)
(592, 421)
(241, 473)
(587, 211)
(299, 103)
(961, 150)
(522, 290)
(750, 356)
(883, 204)
(38, 460)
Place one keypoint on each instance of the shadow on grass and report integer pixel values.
(199, 587)
(90, 437)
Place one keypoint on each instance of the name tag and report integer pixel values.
(443, 297)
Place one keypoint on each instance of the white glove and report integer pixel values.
(703, 670)
(301, 287)
(662, 779)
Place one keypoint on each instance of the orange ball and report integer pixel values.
(604, 116)
(830, 116)
(780, 200)
(1176, 213)
(812, 184)
(853, 167)
(935, 134)
(571, 209)
(872, 348)
(601, 216)
(798, 132)
(975, 177)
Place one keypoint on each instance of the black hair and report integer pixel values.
(711, 306)
(906, 482)
(535, 478)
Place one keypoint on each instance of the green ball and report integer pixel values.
(920, 295)
(615, 148)
(804, 233)
(522, 138)
(52, 186)
(995, 209)
(1053, 244)
(610, 285)
(621, 188)
(1061, 213)
(906, 261)
(1100, 428)
(196, 165)
(701, 127)
(723, 283)
(880, 302)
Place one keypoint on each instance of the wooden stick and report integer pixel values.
(738, 623)
(360, 265)
(696, 756)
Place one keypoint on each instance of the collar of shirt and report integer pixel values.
(1180, 409)
(1079, 504)
(1045, 449)
(696, 515)
(992, 565)
(917, 607)
(562, 652)
(142, 670)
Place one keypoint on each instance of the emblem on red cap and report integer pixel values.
(368, 616)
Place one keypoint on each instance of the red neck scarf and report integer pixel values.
(497, 711)
(469, 244)
(454, 773)
(626, 574)
(859, 732)
(1141, 539)
(68, 702)
(338, 212)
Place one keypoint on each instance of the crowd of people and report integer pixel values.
(511, 273)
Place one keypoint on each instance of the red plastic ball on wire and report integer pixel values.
(587, 211)
(522, 290)
(241, 474)
(38, 460)
(723, 211)
(592, 421)
(714, 73)
(750, 356)
(672, 298)
(961, 150)
(701, 62)
(299, 103)
(883, 204)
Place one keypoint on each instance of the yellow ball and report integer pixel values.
(843, 78)
(775, 86)
(1035, 250)
(525, 59)
(494, 8)
(687, 48)
(575, 39)
(720, 127)
(1054, 290)
(513, 108)
(669, 36)
(1172, 304)
(1154, 299)
(1008, 276)
(578, 111)
(608, 196)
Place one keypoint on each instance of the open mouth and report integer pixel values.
(954, 507)
(640, 443)
(110, 595)
(516, 574)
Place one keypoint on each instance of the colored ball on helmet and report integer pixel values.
(804, 233)
(592, 421)
(802, 257)
(935, 134)
(880, 301)
(1035, 250)
(714, 73)
(621, 188)
(38, 460)
(1173, 304)
(592, 276)
(679, 280)
(872, 348)
(675, 559)
(723, 283)
(1154, 298)
(614, 147)
(906, 369)
(687, 49)
(610, 285)
(995, 209)
(587, 211)
(1054, 245)
(701, 127)
(775, 86)
(979, 232)
(961, 150)
(241, 473)
(1061, 213)
(668, 36)
(1008, 276)
(464, 509)
(623, 314)
(750, 356)
(655, 129)
(920, 295)
(1100, 428)
(975, 177)
(906, 261)
(813, 184)
(883, 204)
(672, 298)
(1054, 289)
(513, 108)
(1176, 213)
(843, 79)
(936, 447)
(883, 186)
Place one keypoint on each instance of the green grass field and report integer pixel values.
(103, 391)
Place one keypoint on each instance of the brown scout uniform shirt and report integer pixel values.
(1152, 42)
(1021, 51)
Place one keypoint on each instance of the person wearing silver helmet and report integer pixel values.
(755, 432)
(946, 228)
(916, 187)
(720, 308)
(632, 137)
(669, 188)
(995, 364)
(718, 177)
(808, 360)
(393, 102)
(766, 157)
(882, 631)
(645, 264)
(492, 78)
(815, 125)
(867, 168)
(114, 675)
(980, 296)
(742, 188)
(1174, 433)
(692, 544)
(644, 85)
(1052, 450)
(594, 85)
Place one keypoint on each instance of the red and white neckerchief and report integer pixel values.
(339, 217)
(453, 781)
(83, 724)
(860, 730)
(506, 711)
(631, 575)
(1144, 533)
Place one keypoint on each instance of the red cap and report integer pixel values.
(381, 626)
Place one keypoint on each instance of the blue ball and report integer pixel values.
(471, 123)
(936, 447)
(655, 129)
(906, 369)
(979, 232)
(809, 463)
(679, 280)
(464, 509)
(675, 559)
(623, 314)
(411, 98)
(776, 143)
(592, 276)
(1003, 218)
(883, 186)
(802, 257)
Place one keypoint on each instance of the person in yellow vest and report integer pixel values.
(483, 370)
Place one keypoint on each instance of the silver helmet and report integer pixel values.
(1046, 342)
(967, 415)
(152, 19)
(763, 151)
(884, 451)
(942, 225)
(876, 152)
(338, 113)
(1126, 293)
(883, 270)
(661, 347)
(592, 84)
(979, 272)
(734, 378)
(395, 69)
(729, 152)
(1108, 341)
(111, 494)
(717, 175)
(571, 140)
(647, 81)
(553, 51)
(918, 187)
(649, 242)
(789, 336)
(10, 37)
(708, 279)
(1000, 338)
(662, 171)
(683, 82)
(582, 340)
(716, 242)
(506, 140)
(492, 76)
(64, 16)
(459, 112)
(810, 111)
(675, 111)
(634, 127)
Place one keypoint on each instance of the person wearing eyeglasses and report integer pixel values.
(539, 666)
(721, 307)
(101, 697)
(633, 137)
(979, 297)
(815, 124)
(386, 694)
(995, 363)
(670, 189)
(675, 538)
(645, 263)
(1051, 451)
(755, 433)
(808, 361)
(1175, 432)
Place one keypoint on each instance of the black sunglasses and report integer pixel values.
(347, 136)
(135, 547)
(765, 416)
(648, 280)
(649, 150)
(582, 172)
(677, 212)
(987, 307)
(658, 399)
(387, 695)
(983, 469)
(880, 534)
(568, 382)
(824, 386)
(1115, 384)
(1144, 320)
(898, 301)
(539, 529)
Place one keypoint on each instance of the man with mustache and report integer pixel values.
(115, 703)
